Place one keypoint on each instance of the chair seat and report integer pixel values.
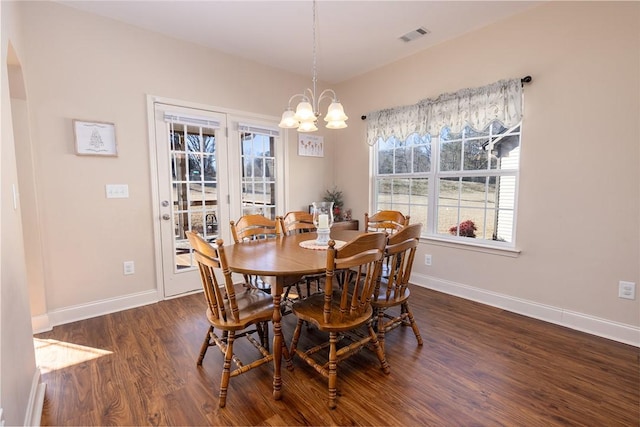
(396, 297)
(310, 309)
(253, 304)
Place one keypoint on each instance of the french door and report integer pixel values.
(211, 167)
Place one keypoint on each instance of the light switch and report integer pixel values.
(117, 191)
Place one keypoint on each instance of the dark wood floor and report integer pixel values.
(479, 366)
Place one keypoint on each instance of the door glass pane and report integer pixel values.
(194, 139)
(195, 167)
(178, 167)
(209, 167)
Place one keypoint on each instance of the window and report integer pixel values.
(258, 174)
(258, 159)
(473, 187)
(476, 183)
(460, 182)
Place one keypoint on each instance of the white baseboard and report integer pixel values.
(40, 323)
(620, 332)
(46, 322)
(33, 414)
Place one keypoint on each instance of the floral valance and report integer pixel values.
(474, 107)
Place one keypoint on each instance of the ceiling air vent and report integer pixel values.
(412, 35)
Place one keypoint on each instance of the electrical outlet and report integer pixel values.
(427, 260)
(129, 267)
(626, 290)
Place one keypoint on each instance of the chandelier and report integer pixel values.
(307, 111)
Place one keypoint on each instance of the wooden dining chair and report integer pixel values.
(257, 227)
(386, 220)
(342, 308)
(393, 290)
(235, 309)
(297, 222)
(254, 227)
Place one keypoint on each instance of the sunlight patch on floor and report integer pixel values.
(54, 354)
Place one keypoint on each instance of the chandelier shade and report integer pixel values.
(307, 111)
(308, 126)
(304, 112)
(289, 120)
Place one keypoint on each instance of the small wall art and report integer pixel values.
(95, 138)
(310, 145)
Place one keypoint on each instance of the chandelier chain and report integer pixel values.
(307, 112)
(315, 71)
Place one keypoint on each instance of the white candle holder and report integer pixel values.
(323, 219)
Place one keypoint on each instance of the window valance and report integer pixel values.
(474, 107)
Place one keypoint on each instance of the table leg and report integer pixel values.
(277, 342)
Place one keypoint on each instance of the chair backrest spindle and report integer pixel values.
(387, 220)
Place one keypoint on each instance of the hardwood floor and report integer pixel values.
(478, 366)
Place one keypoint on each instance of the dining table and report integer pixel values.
(283, 257)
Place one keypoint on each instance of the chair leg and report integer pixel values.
(381, 330)
(226, 370)
(296, 337)
(205, 346)
(413, 323)
(333, 369)
(263, 333)
(378, 350)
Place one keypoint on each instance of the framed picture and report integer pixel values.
(95, 138)
(310, 145)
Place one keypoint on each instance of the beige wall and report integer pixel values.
(86, 67)
(17, 356)
(579, 209)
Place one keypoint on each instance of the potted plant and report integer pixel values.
(335, 196)
(464, 229)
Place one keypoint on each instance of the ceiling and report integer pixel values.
(352, 36)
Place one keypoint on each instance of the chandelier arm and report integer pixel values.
(311, 97)
(298, 95)
(327, 93)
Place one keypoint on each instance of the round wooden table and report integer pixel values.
(283, 258)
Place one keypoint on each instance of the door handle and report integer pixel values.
(166, 217)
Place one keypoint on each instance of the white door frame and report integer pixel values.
(234, 117)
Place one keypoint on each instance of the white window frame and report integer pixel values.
(237, 125)
(433, 175)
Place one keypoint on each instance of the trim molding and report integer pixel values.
(33, 416)
(620, 332)
(40, 323)
(46, 322)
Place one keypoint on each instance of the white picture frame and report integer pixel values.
(93, 138)
(310, 145)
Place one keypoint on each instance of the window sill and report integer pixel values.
(475, 247)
